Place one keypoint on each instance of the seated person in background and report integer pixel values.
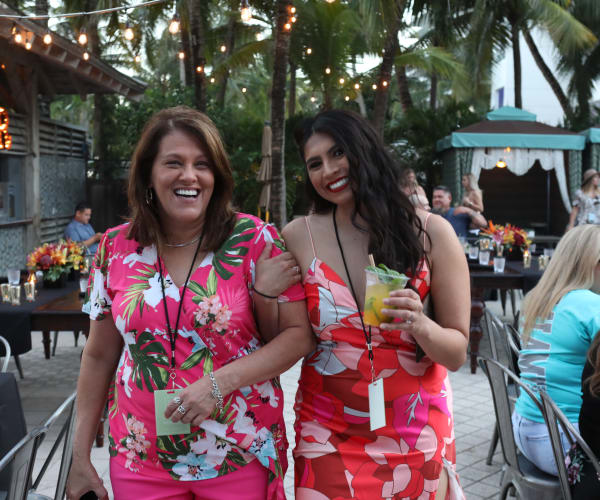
(420, 201)
(561, 316)
(582, 474)
(80, 229)
(460, 218)
(472, 197)
(409, 183)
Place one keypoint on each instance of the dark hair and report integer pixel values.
(441, 187)
(145, 225)
(81, 206)
(378, 199)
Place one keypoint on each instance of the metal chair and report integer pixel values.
(554, 416)
(502, 350)
(518, 474)
(17, 466)
(6, 354)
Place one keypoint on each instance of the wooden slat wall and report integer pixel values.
(55, 138)
(52, 229)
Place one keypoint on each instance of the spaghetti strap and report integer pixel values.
(425, 228)
(312, 244)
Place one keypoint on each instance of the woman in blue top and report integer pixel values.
(561, 317)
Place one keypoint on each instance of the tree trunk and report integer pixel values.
(385, 70)
(550, 78)
(230, 46)
(41, 9)
(433, 91)
(403, 91)
(196, 11)
(282, 48)
(292, 96)
(186, 46)
(517, 65)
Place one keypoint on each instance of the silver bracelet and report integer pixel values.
(216, 393)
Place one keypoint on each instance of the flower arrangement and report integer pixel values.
(507, 237)
(55, 259)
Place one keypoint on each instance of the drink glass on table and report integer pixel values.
(473, 252)
(484, 257)
(380, 281)
(5, 287)
(499, 263)
(14, 276)
(15, 295)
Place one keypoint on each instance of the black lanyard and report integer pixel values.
(367, 335)
(173, 331)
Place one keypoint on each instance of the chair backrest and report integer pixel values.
(17, 465)
(6, 354)
(498, 376)
(555, 417)
(65, 437)
(513, 340)
(12, 420)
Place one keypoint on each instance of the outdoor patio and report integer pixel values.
(48, 382)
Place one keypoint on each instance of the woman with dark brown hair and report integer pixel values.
(195, 406)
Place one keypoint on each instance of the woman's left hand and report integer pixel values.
(194, 404)
(407, 308)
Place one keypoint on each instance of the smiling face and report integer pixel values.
(441, 200)
(183, 182)
(328, 168)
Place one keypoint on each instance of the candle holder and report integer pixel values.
(526, 259)
(484, 244)
(15, 295)
(499, 250)
(542, 262)
(5, 287)
(29, 287)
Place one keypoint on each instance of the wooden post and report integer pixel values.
(32, 164)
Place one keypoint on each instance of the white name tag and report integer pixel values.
(376, 404)
(165, 426)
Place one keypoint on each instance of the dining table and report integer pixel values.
(483, 277)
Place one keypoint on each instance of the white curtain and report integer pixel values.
(519, 161)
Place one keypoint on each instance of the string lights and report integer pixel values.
(47, 38)
(5, 138)
(82, 39)
(128, 33)
(174, 25)
(245, 13)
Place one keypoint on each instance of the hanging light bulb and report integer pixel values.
(384, 83)
(212, 80)
(86, 56)
(245, 13)
(347, 98)
(29, 37)
(313, 99)
(223, 48)
(181, 55)
(293, 19)
(259, 36)
(357, 86)
(374, 86)
(128, 33)
(137, 59)
(328, 70)
(342, 81)
(174, 25)
(18, 36)
(47, 38)
(82, 39)
(199, 69)
(244, 90)
(293, 9)
(287, 26)
(309, 51)
(330, 1)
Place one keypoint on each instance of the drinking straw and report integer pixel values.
(371, 260)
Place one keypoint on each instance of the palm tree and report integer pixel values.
(497, 24)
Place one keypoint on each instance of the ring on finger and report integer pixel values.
(181, 409)
(177, 400)
(296, 269)
(408, 320)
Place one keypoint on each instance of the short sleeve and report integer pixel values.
(268, 233)
(577, 198)
(99, 296)
(69, 233)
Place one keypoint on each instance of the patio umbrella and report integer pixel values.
(264, 173)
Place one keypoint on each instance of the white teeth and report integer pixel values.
(339, 183)
(186, 192)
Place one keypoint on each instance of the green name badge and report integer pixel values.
(165, 426)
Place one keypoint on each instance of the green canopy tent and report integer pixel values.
(591, 155)
(512, 156)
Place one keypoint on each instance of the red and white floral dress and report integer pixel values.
(337, 456)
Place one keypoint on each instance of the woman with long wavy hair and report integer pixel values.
(359, 209)
(472, 197)
(561, 317)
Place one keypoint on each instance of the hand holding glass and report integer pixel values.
(379, 285)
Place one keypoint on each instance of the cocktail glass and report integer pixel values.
(484, 257)
(379, 285)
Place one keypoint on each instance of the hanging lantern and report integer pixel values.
(5, 138)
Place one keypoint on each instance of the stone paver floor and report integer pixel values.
(48, 382)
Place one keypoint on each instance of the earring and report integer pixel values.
(149, 196)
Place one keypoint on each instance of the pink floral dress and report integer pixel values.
(216, 327)
(337, 456)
